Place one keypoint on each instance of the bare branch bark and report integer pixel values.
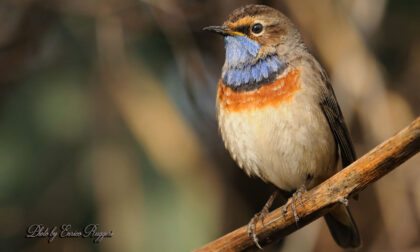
(316, 202)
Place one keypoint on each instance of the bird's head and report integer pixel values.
(258, 39)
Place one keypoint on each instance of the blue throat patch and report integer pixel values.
(240, 53)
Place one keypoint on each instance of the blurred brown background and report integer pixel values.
(106, 116)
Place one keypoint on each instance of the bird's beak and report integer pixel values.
(222, 30)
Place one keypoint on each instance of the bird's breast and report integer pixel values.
(280, 90)
(277, 132)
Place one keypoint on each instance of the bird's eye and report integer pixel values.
(257, 28)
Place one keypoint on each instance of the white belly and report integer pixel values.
(281, 145)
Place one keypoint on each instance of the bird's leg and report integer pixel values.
(260, 217)
(297, 195)
(299, 192)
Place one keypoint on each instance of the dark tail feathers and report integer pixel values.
(342, 227)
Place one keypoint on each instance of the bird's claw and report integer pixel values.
(297, 195)
(251, 230)
(299, 192)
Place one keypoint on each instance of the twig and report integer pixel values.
(316, 202)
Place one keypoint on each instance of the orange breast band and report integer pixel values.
(281, 90)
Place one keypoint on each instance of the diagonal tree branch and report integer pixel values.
(316, 202)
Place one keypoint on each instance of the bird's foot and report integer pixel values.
(291, 202)
(260, 217)
(253, 222)
(299, 192)
(296, 195)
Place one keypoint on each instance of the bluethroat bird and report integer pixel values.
(278, 114)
